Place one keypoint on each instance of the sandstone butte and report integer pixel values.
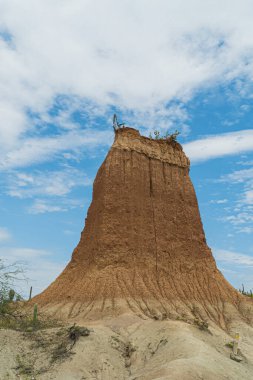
(143, 249)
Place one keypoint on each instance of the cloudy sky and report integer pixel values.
(67, 66)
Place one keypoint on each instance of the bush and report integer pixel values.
(168, 137)
(9, 275)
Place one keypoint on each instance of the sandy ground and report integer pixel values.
(130, 348)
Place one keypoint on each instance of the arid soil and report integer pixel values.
(127, 348)
(143, 248)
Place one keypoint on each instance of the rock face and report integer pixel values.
(143, 248)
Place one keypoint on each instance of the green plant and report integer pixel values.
(230, 345)
(157, 135)
(172, 137)
(18, 297)
(24, 367)
(10, 274)
(11, 295)
(246, 293)
(30, 294)
(35, 314)
(169, 137)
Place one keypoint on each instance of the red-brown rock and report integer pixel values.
(143, 248)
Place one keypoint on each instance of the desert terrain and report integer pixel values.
(142, 285)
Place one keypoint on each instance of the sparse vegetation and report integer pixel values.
(25, 367)
(173, 136)
(230, 345)
(168, 137)
(16, 317)
(35, 315)
(67, 338)
(238, 357)
(9, 299)
(159, 317)
(9, 275)
(245, 292)
(157, 135)
(154, 348)
(125, 348)
(51, 346)
(11, 295)
(76, 331)
(202, 325)
(12, 313)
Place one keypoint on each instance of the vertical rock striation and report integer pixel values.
(143, 248)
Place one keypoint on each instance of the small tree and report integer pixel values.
(10, 274)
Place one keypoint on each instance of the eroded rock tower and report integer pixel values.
(143, 248)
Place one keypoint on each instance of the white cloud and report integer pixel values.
(13, 123)
(241, 216)
(50, 190)
(220, 145)
(22, 254)
(41, 207)
(249, 196)
(245, 178)
(40, 269)
(167, 118)
(246, 230)
(45, 183)
(37, 150)
(236, 266)
(234, 258)
(4, 234)
(239, 176)
(219, 201)
(133, 55)
(245, 163)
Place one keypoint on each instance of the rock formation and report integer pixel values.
(143, 248)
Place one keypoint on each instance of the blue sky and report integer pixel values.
(66, 67)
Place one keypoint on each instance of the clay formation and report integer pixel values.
(143, 249)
